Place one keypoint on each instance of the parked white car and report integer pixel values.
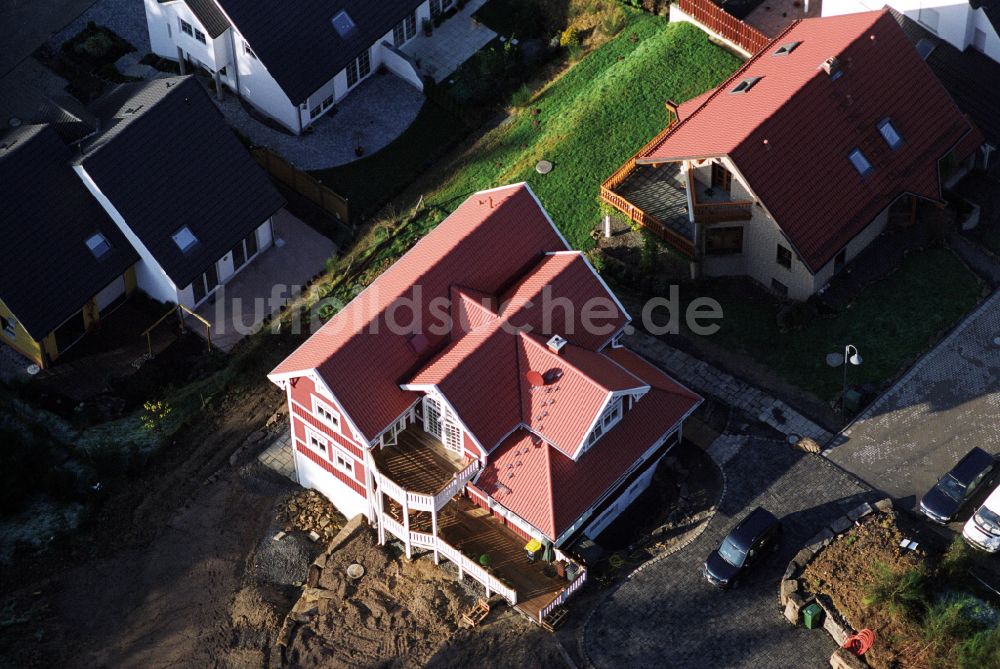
(983, 529)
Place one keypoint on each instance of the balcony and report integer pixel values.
(714, 204)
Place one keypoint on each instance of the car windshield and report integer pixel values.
(950, 486)
(732, 553)
(988, 521)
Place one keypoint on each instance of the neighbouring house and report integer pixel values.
(476, 397)
(974, 24)
(158, 196)
(64, 264)
(800, 159)
(295, 60)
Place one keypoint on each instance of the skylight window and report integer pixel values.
(343, 23)
(184, 239)
(745, 85)
(890, 134)
(98, 245)
(786, 49)
(859, 161)
(924, 47)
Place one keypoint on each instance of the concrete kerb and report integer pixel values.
(581, 631)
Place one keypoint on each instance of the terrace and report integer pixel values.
(418, 462)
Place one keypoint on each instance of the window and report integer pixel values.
(326, 414)
(786, 49)
(779, 288)
(839, 261)
(342, 462)
(343, 23)
(205, 284)
(924, 47)
(315, 111)
(248, 51)
(784, 256)
(859, 161)
(405, 30)
(200, 36)
(98, 245)
(612, 414)
(239, 255)
(359, 68)
(745, 85)
(889, 134)
(723, 241)
(184, 239)
(186, 28)
(979, 40)
(251, 242)
(929, 17)
(9, 326)
(316, 442)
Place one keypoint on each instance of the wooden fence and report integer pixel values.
(331, 202)
(725, 25)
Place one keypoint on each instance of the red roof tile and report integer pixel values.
(790, 134)
(551, 491)
(491, 238)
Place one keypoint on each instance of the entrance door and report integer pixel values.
(70, 332)
(111, 296)
(439, 423)
(226, 267)
(721, 177)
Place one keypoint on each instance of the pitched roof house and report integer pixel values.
(295, 60)
(158, 196)
(477, 389)
(965, 25)
(792, 166)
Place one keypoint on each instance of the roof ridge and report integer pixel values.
(718, 89)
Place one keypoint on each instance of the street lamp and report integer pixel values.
(852, 356)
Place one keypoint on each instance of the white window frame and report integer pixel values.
(200, 36)
(354, 68)
(341, 460)
(890, 134)
(186, 28)
(333, 420)
(248, 51)
(317, 442)
(10, 326)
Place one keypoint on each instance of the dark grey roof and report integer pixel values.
(969, 77)
(47, 273)
(992, 10)
(67, 115)
(208, 14)
(297, 43)
(165, 158)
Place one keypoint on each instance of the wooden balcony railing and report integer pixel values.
(718, 212)
(727, 26)
(652, 223)
(564, 594)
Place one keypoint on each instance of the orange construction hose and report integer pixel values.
(860, 642)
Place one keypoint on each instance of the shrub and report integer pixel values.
(154, 416)
(896, 592)
(569, 37)
(956, 561)
(522, 96)
(981, 650)
(96, 46)
(613, 22)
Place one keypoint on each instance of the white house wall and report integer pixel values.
(956, 20)
(165, 35)
(150, 277)
(185, 296)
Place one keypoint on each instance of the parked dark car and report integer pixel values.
(758, 532)
(943, 502)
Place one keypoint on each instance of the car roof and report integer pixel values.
(751, 527)
(971, 464)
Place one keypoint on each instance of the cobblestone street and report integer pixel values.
(667, 615)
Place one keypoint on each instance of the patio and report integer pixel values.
(473, 531)
(260, 290)
(452, 43)
(418, 462)
(658, 191)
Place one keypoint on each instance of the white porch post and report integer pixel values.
(434, 531)
(406, 527)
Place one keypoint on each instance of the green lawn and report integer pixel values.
(891, 323)
(592, 120)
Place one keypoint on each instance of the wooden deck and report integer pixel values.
(419, 462)
(474, 531)
(658, 192)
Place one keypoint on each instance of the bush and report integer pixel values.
(96, 46)
(898, 593)
(569, 37)
(613, 22)
(981, 650)
(522, 96)
(956, 561)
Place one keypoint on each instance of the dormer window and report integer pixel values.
(98, 245)
(890, 134)
(184, 239)
(859, 161)
(343, 23)
(786, 48)
(745, 85)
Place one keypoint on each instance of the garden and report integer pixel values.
(87, 61)
(926, 606)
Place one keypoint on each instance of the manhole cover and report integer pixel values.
(835, 359)
(355, 571)
(543, 167)
(996, 341)
(793, 439)
(33, 370)
(14, 122)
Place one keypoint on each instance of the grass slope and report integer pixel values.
(592, 120)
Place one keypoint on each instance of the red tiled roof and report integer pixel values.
(551, 491)
(491, 238)
(790, 134)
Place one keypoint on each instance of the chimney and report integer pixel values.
(556, 344)
(832, 67)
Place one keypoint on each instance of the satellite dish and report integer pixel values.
(534, 379)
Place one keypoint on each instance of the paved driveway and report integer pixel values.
(668, 616)
(948, 403)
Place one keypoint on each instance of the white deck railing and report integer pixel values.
(456, 484)
(564, 594)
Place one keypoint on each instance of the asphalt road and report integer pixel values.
(667, 615)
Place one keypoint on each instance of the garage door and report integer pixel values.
(110, 296)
